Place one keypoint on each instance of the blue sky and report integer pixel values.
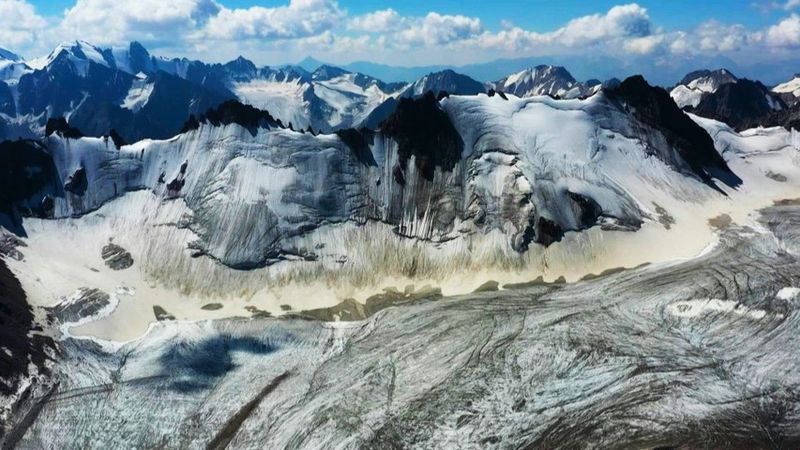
(415, 32)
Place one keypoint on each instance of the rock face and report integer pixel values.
(258, 193)
(24, 349)
(85, 303)
(695, 85)
(652, 106)
(28, 184)
(742, 105)
(116, 257)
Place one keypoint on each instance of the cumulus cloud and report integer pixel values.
(292, 28)
(644, 45)
(114, 21)
(300, 18)
(378, 21)
(712, 37)
(785, 33)
(19, 23)
(437, 29)
(625, 26)
(620, 21)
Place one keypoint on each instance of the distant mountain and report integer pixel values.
(742, 104)
(695, 85)
(545, 80)
(789, 91)
(444, 82)
(100, 90)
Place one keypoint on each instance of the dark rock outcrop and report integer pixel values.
(423, 130)
(652, 106)
(20, 337)
(28, 177)
(59, 125)
(359, 141)
(742, 105)
(116, 257)
(232, 111)
(88, 303)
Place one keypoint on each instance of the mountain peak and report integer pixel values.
(326, 72)
(310, 64)
(539, 80)
(7, 55)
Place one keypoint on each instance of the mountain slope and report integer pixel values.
(691, 89)
(435, 171)
(789, 91)
(543, 80)
(96, 92)
(743, 104)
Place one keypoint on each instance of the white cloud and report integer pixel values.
(378, 21)
(791, 4)
(620, 21)
(114, 21)
(19, 23)
(436, 29)
(713, 37)
(785, 33)
(644, 45)
(300, 18)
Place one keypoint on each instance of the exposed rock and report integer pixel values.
(211, 307)
(116, 257)
(162, 314)
(654, 107)
(59, 125)
(86, 302)
(489, 286)
(424, 131)
(743, 104)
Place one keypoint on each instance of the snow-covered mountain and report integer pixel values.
(258, 193)
(789, 90)
(327, 99)
(445, 81)
(234, 213)
(695, 85)
(545, 80)
(85, 85)
(742, 104)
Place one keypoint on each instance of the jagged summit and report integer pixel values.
(742, 104)
(448, 81)
(690, 91)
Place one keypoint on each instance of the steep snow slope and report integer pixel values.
(501, 193)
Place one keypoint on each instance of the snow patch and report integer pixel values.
(699, 307)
